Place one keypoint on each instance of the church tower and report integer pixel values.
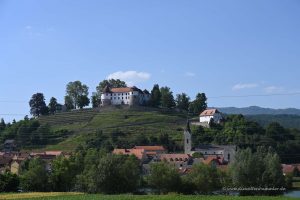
(187, 139)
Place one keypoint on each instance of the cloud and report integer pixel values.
(241, 86)
(130, 77)
(274, 89)
(28, 27)
(190, 74)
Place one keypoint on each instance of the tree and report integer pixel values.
(110, 173)
(9, 182)
(199, 104)
(63, 174)
(77, 94)
(52, 105)
(275, 131)
(69, 103)
(37, 105)
(259, 169)
(35, 178)
(83, 101)
(204, 178)
(182, 101)
(113, 83)
(167, 98)
(95, 100)
(2, 124)
(155, 99)
(164, 178)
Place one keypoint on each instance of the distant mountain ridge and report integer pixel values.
(256, 110)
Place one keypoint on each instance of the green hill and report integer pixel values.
(129, 122)
(287, 121)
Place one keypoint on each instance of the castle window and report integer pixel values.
(122, 97)
(110, 97)
(114, 97)
(187, 141)
(118, 97)
(106, 94)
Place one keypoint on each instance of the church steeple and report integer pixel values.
(187, 139)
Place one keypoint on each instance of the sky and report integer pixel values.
(225, 49)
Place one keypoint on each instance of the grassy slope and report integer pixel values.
(129, 120)
(143, 197)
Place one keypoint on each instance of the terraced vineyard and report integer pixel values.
(131, 121)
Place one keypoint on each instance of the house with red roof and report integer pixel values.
(139, 153)
(209, 115)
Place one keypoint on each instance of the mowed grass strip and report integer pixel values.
(40, 195)
(78, 196)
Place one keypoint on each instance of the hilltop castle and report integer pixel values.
(124, 96)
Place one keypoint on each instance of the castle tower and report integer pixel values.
(187, 139)
(106, 96)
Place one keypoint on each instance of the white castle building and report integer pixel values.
(126, 96)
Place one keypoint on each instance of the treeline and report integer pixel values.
(96, 171)
(30, 133)
(77, 97)
(237, 130)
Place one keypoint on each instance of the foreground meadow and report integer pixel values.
(79, 196)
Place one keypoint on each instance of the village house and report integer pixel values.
(139, 153)
(152, 151)
(289, 168)
(47, 156)
(209, 115)
(9, 145)
(124, 96)
(227, 152)
(5, 160)
(177, 160)
(18, 158)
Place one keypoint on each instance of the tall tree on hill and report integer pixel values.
(2, 124)
(167, 98)
(114, 83)
(199, 104)
(52, 105)
(69, 103)
(155, 99)
(77, 94)
(83, 101)
(182, 101)
(37, 105)
(95, 100)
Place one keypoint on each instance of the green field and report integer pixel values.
(131, 121)
(72, 196)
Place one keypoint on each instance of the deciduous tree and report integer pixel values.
(182, 101)
(37, 105)
(167, 98)
(52, 105)
(77, 94)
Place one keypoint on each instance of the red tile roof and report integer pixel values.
(286, 169)
(175, 157)
(209, 112)
(151, 148)
(139, 153)
(121, 90)
(210, 159)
